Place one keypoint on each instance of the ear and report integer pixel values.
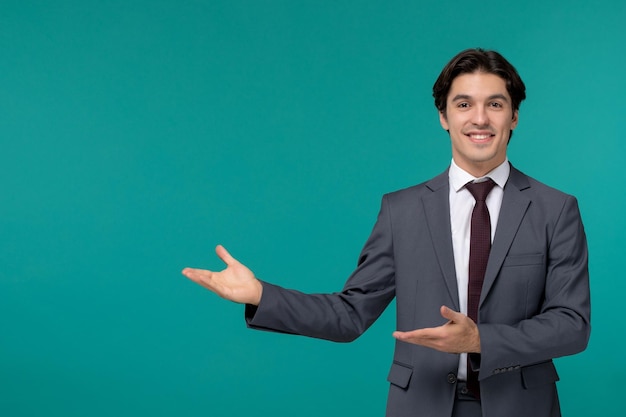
(515, 119)
(443, 120)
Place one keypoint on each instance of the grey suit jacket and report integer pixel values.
(534, 307)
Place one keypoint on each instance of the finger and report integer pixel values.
(224, 255)
(187, 271)
(422, 337)
(196, 275)
(402, 336)
(398, 335)
(415, 334)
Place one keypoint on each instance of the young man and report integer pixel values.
(490, 285)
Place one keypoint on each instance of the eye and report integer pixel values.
(463, 105)
(496, 105)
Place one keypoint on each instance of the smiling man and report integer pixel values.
(488, 267)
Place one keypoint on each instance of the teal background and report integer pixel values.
(137, 135)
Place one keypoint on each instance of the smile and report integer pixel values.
(481, 136)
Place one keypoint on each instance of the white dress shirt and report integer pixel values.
(461, 205)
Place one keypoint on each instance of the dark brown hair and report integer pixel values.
(478, 60)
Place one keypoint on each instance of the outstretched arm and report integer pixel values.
(235, 283)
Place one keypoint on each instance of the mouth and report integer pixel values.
(479, 137)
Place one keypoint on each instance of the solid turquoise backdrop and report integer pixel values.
(137, 135)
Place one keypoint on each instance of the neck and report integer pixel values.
(479, 169)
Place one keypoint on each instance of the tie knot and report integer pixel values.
(480, 190)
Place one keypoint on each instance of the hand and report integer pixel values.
(235, 283)
(458, 335)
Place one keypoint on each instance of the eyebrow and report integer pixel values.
(491, 97)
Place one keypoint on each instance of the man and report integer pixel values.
(490, 285)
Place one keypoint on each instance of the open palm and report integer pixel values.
(235, 283)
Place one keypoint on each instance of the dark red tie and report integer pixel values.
(480, 245)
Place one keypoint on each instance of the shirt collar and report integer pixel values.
(458, 177)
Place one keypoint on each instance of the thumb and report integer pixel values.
(448, 313)
(224, 255)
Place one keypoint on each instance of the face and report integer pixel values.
(479, 117)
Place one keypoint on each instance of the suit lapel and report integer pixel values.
(437, 209)
(512, 211)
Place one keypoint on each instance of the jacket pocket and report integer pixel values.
(539, 374)
(523, 260)
(400, 374)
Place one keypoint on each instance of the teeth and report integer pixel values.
(479, 136)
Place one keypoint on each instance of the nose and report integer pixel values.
(480, 116)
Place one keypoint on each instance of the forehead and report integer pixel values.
(478, 85)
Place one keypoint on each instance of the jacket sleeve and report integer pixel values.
(562, 325)
(343, 316)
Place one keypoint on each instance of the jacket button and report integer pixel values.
(451, 378)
